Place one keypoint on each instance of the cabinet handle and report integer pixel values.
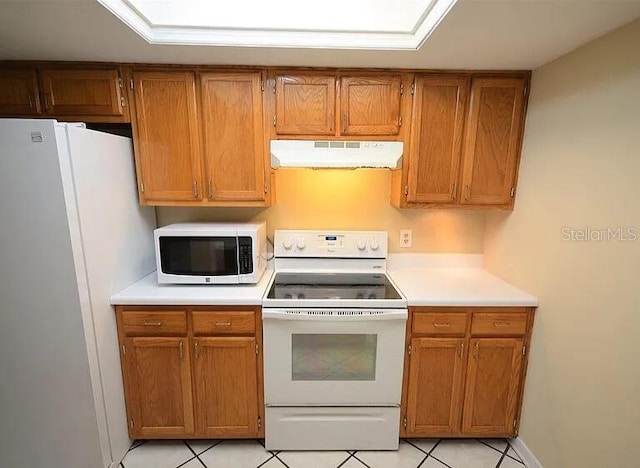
(181, 350)
(461, 349)
(501, 324)
(209, 190)
(441, 325)
(195, 189)
(223, 324)
(476, 350)
(153, 324)
(197, 350)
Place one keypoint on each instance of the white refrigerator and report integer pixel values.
(71, 234)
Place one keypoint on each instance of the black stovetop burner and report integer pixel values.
(365, 286)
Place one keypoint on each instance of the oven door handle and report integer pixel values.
(334, 315)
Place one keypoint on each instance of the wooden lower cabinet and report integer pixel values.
(203, 382)
(493, 386)
(435, 385)
(159, 387)
(226, 387)
(465, 371)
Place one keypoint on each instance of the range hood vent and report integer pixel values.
(336, 154)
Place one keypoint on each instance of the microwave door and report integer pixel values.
(214, 257)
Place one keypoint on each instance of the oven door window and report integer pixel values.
(205, 256)
(333, 357)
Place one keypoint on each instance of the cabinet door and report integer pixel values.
(493, 385)
(436, 138)
(492, 143)
(233, 131)
(82, 92)
(19, 93)
(168, 143)
(370, 105)
(305, 104)
(159, 397)
(226, 386)
(435, 386)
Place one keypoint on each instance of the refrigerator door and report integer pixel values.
(48, 412)
(113, 247)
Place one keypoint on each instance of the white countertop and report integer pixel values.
(452, 280)
(147, 291)
(424, 279)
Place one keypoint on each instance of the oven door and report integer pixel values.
(333, 357)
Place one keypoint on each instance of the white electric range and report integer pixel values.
(334, 332)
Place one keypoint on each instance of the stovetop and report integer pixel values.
(332, 286)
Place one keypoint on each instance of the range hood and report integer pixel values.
(336, 154)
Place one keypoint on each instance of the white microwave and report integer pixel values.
(211, 253)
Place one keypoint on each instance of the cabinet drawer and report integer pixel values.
(440, 323)
(143, 323)
(224, 323)
(496, 323)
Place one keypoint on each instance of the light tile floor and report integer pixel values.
(423, 453)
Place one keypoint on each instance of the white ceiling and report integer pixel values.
(476, 34)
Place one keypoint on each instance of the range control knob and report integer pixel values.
(374, 244)
(300, 243)
(361, 244)
(287, 244)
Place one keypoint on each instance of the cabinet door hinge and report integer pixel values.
(262, 85)
(524, 349)
(273, 87)
(257, 349)
(120, 83)
(512, 192)
(122, 102)
(274, 120)
(124, 350)
(265, 188)
(406, 190)
(404, 422)
(413, 88)
(142, 187)
(400, 121)
(401, 89)
(409, 349)
(259, 422)
(131, 83)
(181, 347)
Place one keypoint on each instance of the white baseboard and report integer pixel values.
(524, 453)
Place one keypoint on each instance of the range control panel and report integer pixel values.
(328, 244)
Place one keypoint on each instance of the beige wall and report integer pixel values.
(580, 168)
(349, 199)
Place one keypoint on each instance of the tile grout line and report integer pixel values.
(351, 454)
(513, 458)
(355, 455)
(491, 446)
(280, 460)
(504, 454)
(273, 455)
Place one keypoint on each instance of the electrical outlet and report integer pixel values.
(405, 238)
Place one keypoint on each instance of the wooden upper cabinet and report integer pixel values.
(226, 388)
(19, 93)
(492, 143)
(82, 92)
(370, 104)
(439, 107)
(492, 388)
(435, 386)
(233, 134)
(167, 137)
(159, 398)
(305, 104)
